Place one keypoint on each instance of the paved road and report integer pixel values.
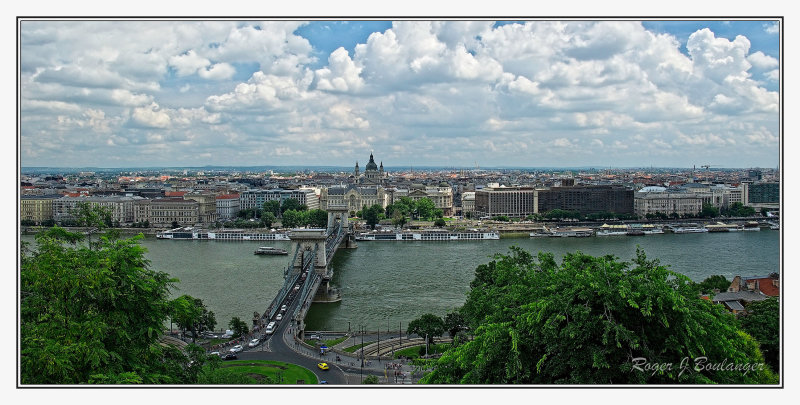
(281, 346)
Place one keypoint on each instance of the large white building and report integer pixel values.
(227, 206)
(121, 207)
(667, 203)
(256, 198)
(354, 197)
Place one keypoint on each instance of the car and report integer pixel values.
(279, 317)
(323, 366)
(215, 354)
(230, 356)
(283, 308)
(297, 287)
(236, 349)
(323, 382)
(253, 343)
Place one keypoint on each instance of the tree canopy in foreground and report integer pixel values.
(94, 312)
(594, 320)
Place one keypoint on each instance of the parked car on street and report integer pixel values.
(236, 349)
(230, 356)
(253, 343)
(279, 317)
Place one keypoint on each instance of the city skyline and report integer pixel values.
(526, 94)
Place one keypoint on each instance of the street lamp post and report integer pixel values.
(362, 353)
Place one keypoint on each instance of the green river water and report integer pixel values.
(385, 285)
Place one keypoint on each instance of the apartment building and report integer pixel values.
(511, 202)
(442, 197)
(227, 206)
(467, 202)
(256, 198)
(586, 199)
(121, 207)
(207, 206)
(37, 208)
(667, 203)
(165, 211)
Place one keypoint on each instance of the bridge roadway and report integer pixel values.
(286, 345)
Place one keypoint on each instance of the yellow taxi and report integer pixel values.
(323, 366)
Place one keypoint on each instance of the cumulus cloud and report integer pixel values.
(566, 88)
(218, 71)
(772, 28)
(341, 75)
(151, 116)
(762, 61)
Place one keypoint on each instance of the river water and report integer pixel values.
(385, 285)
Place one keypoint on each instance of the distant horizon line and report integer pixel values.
(296, 167)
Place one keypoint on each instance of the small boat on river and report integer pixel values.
(269, 250)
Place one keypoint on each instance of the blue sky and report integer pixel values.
(433, 93)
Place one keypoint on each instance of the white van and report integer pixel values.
(270, 328)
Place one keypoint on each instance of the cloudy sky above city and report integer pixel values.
(423, 93)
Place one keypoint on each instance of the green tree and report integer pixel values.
(317, 218)
(371, 379)
(439, 222)
(94, 315)
(737, 209)
(762, 320)
(404, 206)
(191, 314)
(274, 207)
(92, 216)
(238, 326)
(292, 204)
(713, 282)
(292, 219)
(428, 325)
(267, 219)
(425, 208)
(372, 215)
(454, 323)
(709, 211)
(592, 320)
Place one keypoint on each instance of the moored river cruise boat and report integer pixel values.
(228, 234)
(432, 235)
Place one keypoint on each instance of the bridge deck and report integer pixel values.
(307, 279)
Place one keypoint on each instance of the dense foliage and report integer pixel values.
(93, 313)
(310, 218)
(404, 208)
(593, 320)
(428, 325)
(738, 209)
(711, 283)
(238, 326)
(191, 314)
(762, 321)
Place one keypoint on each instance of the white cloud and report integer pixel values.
(773, 28)
(341, 75)
(461, 86)
(773, 75)
(219, 71)
(151, 116)
(188, 63)
(761, 61)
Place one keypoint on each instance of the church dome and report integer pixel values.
(371, 165)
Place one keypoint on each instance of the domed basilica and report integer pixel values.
(372, 174)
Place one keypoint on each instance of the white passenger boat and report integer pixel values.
(228, 234)
(427, 236)
(269, 250)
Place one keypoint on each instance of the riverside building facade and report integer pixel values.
(586, 199)
(511, 202)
